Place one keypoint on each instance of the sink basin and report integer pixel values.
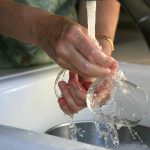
(26, 94)
(91, 136)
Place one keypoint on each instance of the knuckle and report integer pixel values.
(73, 32)
(59, 60)
(62, 52)
(91, 58)
(70, 34)
(72, 29)
(59, 48)
(86, 69)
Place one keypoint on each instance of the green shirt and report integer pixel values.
(14, 53)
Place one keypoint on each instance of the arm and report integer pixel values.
(107, 15)
(18, 20)
(74, 97)
(63, 39)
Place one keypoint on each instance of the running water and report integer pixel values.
(91, 33)
(74, 130)
(91, 19)
(123, 107)
(127, 105)
(61, 76)
(112, 113)
(100, 120)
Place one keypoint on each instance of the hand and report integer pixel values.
(102, 92)
(68, 44)
(73, 93)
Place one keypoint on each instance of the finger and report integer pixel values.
(77, 91)
(77, 62)
(90, 49)
(68, 97)
(63, 64)
(73, 76)
(78, 94)
(84, 67)
(62, 52)
(62, 57)
(75, 82)
(103, 91)
(104, 85)
(63, 106)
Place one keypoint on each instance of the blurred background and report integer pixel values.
(130, 45)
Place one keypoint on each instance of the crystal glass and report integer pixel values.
(117, 101)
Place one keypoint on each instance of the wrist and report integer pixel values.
(106, 43)
(49, 28)
(40, 26)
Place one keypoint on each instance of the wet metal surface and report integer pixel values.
(90, 136)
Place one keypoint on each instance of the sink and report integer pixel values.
(90, 136)
(28, 100)
(28, 93)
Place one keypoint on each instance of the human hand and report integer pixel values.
(69, 45)
(102, 90)
(74, 93)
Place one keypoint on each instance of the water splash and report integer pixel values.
(74, 130)
(122, 94)
(123, 108)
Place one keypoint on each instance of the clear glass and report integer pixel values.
(117, 101)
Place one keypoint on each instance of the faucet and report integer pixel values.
(139, 10)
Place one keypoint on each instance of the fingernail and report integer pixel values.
(62, 84)
(73, 76)
(61, 101)
(113, 65)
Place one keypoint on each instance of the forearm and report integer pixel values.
(107, 17)
(18, 20)
(107, 14)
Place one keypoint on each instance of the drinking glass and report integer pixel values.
(117, 101)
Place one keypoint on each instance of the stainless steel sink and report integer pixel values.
(91, 136)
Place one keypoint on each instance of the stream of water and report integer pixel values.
(123, 107)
